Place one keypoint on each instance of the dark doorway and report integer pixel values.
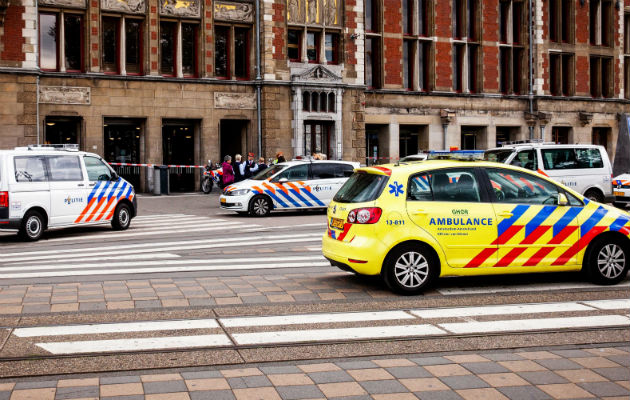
(317, 137)
(473, 137)
(412, 139)
(601, 136)
(233, 133)
(505, 134)
(62, 130)
(178, 145)
(371, 138)
(122, 145)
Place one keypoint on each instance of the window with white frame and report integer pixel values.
(61, 39)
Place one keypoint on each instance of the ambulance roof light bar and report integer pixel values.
(64, 146)
(460, 155)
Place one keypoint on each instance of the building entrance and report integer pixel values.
(317, 137)
(178, 146)
(62, 130)
(233, 137)
(122, 145)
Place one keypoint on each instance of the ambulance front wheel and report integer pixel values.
(410, 268)
(32, 226)
(122, 217)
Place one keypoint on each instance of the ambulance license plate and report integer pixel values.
(336, 223)
(622, 194)
(223, 201)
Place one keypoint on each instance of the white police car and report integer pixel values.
(299, 184)
(48, 187)
(621, 188)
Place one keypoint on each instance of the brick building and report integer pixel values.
(175, 81)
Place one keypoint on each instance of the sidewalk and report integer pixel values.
(554, 373)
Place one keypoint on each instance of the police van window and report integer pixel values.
(520, 188)
(65, 168)
(454, 185)
(29, 169)
(361, 187)
(97, 170)
(343, 170)
(420, 188)
(572, 158)
(296, 173)
(526, 159)
(323, 171)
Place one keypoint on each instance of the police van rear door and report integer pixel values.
(67, 188)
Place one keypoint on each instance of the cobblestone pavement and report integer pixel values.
(552, 373)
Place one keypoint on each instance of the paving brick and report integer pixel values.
(160, 377)
(396, 396)
(285, 369)
(614, 374)
(502, 356)
(409, 372)
(34, 394)
(371, 374)
(581, 375)
(565, 391)
(431, 361)
(321, 367)
(481, 394)
(299, 392)
(542, 377)
(595, 362)
(464, 382)
(438, 395)
(64, 393)
(122, 389)
(538, 355)
(290, 379)
(164, 387)
(330, 377)
(35, 385)
(207, 384)
(110, 380)
(447, 370)
(522, 366)
(572, 353)
(562, 363)
(383, 387)
(168, 396)
(341, 389)
(466, 358)
(503, 379)
(239, 372)
(484, 367)
(212, 395)
(604, 389)
(237, 383)
(423, 384)
(524, 393)
(347, 365)
(201, 374)
(394, 362)
(257, 394)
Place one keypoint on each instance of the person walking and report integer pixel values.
(261, 164)
(248, 167)
(237, 168)
(228, 171)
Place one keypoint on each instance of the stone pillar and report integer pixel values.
(393, 141)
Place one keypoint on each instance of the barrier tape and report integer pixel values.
(155, 165)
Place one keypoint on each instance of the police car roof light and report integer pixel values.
(64, 146)
(461, 155)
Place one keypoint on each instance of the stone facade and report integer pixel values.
(352, 123)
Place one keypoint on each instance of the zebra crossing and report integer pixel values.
(164, 244)
(320, 328)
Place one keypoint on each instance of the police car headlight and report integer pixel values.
(239, 192)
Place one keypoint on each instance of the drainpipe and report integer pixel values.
(530, 95)
(258, 81)
(38, 70)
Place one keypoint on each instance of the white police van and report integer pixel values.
(298, 184)
(54, 187)
(584, 168)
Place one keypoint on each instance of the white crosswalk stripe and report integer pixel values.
(355, 326)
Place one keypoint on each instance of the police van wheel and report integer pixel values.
(32, 226)
(607, 261)
(409, 269)
(122, 217)
(594, 195)
(259, 206)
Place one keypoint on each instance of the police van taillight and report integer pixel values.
(368, 215)
(4, 199)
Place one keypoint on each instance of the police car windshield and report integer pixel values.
(497, 155)
(361, 187)
(269, 172)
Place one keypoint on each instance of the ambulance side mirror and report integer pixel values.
(562, 200)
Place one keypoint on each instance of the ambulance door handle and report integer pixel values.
(506, 215)
(420, 212)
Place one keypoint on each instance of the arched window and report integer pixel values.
(306, 101)
(331, 102)
(322, 102)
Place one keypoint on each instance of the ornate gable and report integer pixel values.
(318, 73)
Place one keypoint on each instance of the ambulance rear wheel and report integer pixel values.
(122, 217)
(607, 260)
(259, 206)
(410, 268)
(32, 226)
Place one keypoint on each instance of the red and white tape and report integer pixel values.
(154, 165)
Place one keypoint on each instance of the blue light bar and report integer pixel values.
(468, 155)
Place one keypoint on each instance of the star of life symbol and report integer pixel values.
(396, 188)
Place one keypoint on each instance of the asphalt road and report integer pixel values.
(191, 285)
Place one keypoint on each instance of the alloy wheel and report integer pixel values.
(611, 261)
(411, 269)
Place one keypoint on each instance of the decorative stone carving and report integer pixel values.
(239, 101)
(230, 11)
(127, 6)
(312, 11)
(64, 95)
(316, 74)
(180, 8)
(331, 12)
(295, 11)
(63, 3)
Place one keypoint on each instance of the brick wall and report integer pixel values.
(392, 43)
(12, 40)
(443, 48)
(490, 49)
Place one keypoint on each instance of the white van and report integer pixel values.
(300, 184)
(54, 187)
(584, 168)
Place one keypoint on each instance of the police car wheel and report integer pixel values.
(32, 226)
(409, 269)
(607, 261)
(122, 217)
(259, 206)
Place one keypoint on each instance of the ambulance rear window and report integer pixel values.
(361, 187)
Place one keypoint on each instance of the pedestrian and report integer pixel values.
(228, 171)
(237, 168)
(316, 156)
(261, 164)
(279, 158)
(248, 167)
